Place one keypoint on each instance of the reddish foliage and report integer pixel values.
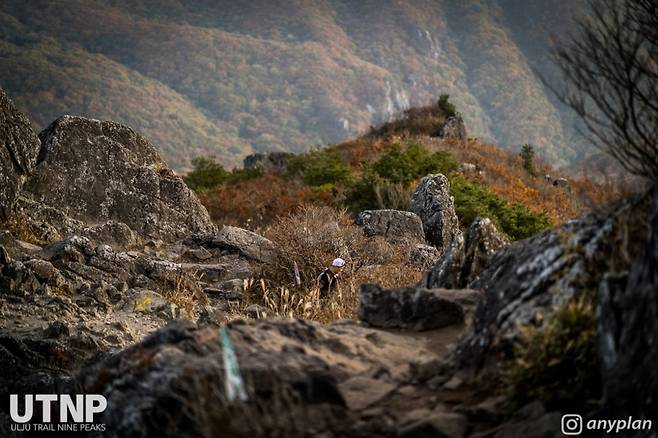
(257, 202)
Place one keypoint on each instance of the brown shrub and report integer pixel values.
(255, 203)
(503, 173)
(312, 237)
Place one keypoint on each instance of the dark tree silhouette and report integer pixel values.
(610, 67)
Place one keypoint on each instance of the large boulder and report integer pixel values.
(245, 242)
(301, 379)
(628, 332)
(97, 171)
(408, 308)
(466, 258)
(525, 281)
(482, 241)
(432, 202)
(394, 225)
(19, 148)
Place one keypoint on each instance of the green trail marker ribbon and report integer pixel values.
(234, 383)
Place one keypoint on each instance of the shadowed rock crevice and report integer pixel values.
(461, 264)
(19, 147)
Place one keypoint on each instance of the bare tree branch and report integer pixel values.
(610, 71)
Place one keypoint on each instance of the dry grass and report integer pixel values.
(312, 237)
(257, 203)
(503, 172)
(21, 227)
(254, 203)
(183, 289)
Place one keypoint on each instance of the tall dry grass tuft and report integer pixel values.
(182, 289)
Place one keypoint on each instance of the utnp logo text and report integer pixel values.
(56, 412)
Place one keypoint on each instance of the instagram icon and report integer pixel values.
(572, 424)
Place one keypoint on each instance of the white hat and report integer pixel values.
(339, 263)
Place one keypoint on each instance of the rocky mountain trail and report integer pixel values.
(338, 379)
(128, 292)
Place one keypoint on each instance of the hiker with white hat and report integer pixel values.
(327, 281)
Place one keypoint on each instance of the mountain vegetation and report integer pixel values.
(381, 169)
(228, 78)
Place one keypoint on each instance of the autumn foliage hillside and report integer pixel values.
(381, 169)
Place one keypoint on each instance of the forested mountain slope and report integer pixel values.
(229, 78)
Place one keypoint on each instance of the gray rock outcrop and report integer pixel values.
(482, 241)
(407, 308)
(97, 171)
(271, 162)
(423, 257)
(19, 148)
(245, 242)
(453, 128)
(446, 272)
(529, 279)
(432, 202)
(466, 258)
(394, 225)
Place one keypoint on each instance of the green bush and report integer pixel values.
(406, 165)
(320, 167)
(388, 182)
(208, 174)
(446, 107)
(519, 222)
(361, 196)
(374, 192)
(558, 362)
(473, 200)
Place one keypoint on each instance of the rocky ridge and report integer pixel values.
(101, 302)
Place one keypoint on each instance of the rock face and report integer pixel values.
(245, 242)
(453, 128)
(446, 272)
(301, 378)
(628, 331)
(482, 241)
(461, 264)
(97, 171)
(432, 202)
(529, 278)
(423, 257)
(394, 225)
(407, 308)
(19, 147)
(274, 161)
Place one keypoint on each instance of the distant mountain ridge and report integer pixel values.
(230, 78)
